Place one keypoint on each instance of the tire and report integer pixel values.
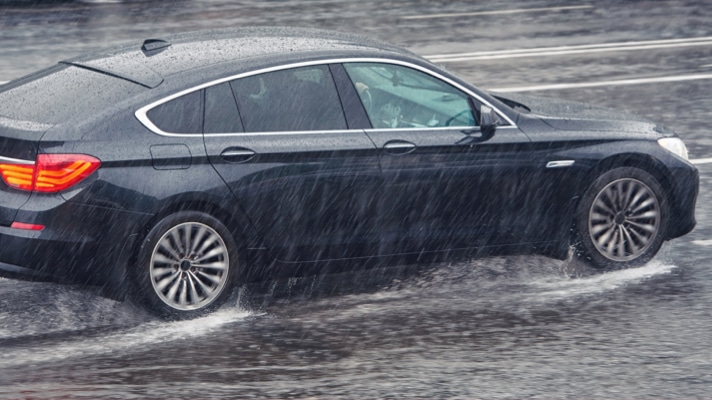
(186, 266)
(622, 219)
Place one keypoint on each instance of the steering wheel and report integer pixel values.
(456, 116)
(367, 100)
(258, 95)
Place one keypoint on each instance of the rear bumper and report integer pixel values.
(79, 244)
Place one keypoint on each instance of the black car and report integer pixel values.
(184, 166)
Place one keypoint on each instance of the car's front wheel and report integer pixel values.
(622, 219)
(186, 265)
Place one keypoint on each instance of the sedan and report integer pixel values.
(180, 168)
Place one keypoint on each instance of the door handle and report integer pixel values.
(237, 154)
(399, 147)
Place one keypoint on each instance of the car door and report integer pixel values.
(281, 142)
(447, 185)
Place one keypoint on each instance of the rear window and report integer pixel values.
(181, 115)
(64, 94)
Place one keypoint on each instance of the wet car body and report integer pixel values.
(336, 190)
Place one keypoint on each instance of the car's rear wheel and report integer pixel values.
(187, 265)
(622, 219)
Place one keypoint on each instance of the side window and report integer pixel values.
(221, 114)
(298, 99)
(399, 97)
(181, 115)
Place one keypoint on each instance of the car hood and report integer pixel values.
(575, 116)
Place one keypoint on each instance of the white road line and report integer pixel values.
(3, 82)
(569, 50)
(621, 82)
(582, 46)
(497, 12)
(701, 161)
(707, 242)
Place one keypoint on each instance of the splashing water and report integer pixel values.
(561, 288)
(135, 339)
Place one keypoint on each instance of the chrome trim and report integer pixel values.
(15, 161)
(431, 129)
(560, 163)
(399, 146)
(273, 133)
(141, 112)
(237, 153)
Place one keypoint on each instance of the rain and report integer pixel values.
(486, 326)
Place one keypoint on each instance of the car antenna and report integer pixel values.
(154, 46)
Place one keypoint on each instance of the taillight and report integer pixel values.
(56, 172)
(50, 172)
(27, 227)
(20, 176)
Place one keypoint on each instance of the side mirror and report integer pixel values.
(488, 121)
(488, 124)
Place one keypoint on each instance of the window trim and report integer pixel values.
(9, 160)
(141, 113)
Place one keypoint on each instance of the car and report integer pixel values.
(177, 169)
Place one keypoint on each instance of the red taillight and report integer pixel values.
(28, 227)
(20, 176)
(50, 172)
(56, 172)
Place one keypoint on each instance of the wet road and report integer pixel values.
(507, 327)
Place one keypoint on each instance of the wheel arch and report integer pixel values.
(237, 223)
(640, 161)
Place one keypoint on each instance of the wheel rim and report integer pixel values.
(624, 219)
(189, 266)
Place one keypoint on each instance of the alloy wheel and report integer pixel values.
(624, 219)
(189, 266)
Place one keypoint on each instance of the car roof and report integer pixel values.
(149, 62)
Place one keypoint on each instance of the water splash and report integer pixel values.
(562, 288)
(132, 340)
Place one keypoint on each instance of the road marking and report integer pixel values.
(700, 161)
(568, 50)
(582, 46)
(497, 12)
(621, 82)
(3, 82)
(707, 242)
